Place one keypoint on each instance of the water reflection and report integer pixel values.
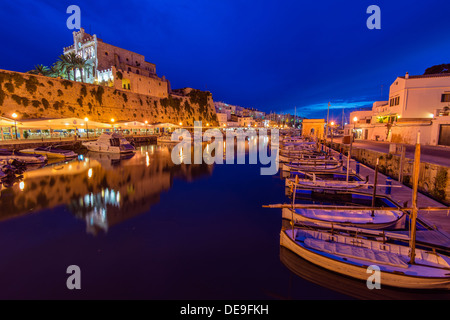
(101, 189)
(350, 286)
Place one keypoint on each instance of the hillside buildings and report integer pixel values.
(117, 67)
(416, 103)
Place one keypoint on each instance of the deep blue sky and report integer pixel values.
(271, 55)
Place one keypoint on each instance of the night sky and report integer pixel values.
(270, 55)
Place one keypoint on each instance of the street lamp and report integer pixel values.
(87, 129)
(14, 115)
(114, 128)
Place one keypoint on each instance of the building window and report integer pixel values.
(106, 53)
(445, 97)
(137, 71)
(394, 101)
(129, 69)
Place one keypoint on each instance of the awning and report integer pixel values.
(131, 125)
(65, 123)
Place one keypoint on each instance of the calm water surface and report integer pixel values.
(144, 228)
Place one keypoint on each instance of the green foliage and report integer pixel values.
(83, 90)
(45, 103)
(18, 79)
(66, 83)
(2, 96)
(57, 105)
(199, 97)
(440, 184)
(98, 94)
(31, 84)
(440, 68)
(173, 103)
(36, 103)
(4, 77)
(25, 101)
(9, 86)
(17, 99)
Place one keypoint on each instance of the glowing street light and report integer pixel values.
(14, 115)
(87, 129)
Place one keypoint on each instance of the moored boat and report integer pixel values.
(351, 256)
(22, 157)
(110, 143)
(51, 152)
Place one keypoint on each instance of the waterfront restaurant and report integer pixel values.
(51, 128)
(70, 128)
(134, 127)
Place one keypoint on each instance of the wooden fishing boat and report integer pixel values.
(352, 256)
(313, 165)
(379, 219)
(26, 158)
(51, 152)
(286, 157)
(326, 184)
(350, 286)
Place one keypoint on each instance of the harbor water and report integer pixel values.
(142, 227)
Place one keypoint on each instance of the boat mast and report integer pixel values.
(412, 243)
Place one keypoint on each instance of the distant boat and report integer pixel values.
(351, 256)
(312, 165)
(22, 157)
(51, 152)
(110, 143)
(326, 184)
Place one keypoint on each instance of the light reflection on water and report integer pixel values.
(100, 188)
(136, 233)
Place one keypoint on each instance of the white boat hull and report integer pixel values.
(360, 271)
(381, 220)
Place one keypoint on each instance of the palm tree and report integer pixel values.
(40, 69)
(82, 64)
(65, 65)
(58, 70)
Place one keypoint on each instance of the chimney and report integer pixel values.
(406, 75)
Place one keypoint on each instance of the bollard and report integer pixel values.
(388, 183)
(357, 167)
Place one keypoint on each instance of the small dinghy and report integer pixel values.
(22, 157)
(51, 152)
